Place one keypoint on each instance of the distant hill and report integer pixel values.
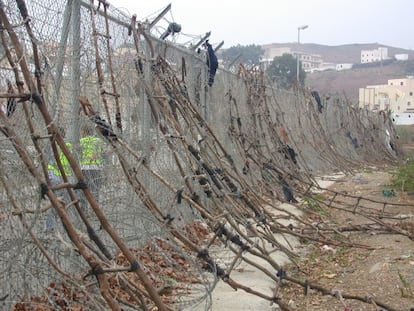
(348, 82)
(348, 53)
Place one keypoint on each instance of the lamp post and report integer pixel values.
(303, 27)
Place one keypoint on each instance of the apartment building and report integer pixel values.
(309, 61)
(270, 52)
(396, 96)
(375, 55)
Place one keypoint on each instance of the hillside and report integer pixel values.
(348, 53)
(348, 82)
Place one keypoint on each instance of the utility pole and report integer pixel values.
(297, 53)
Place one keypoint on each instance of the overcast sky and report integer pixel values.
(331, 22)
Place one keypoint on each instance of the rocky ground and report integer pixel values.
(371, 268)
(377, 263)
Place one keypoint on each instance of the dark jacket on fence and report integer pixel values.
(212, 63)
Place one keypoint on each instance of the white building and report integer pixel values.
(309, 61)
(401, 57)
(372, 56)
(344, 66)
(270, 52)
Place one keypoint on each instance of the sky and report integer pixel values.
(331, 22)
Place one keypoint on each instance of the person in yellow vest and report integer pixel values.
(91, 159)
(55, 178)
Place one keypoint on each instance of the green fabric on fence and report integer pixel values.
(389, 193)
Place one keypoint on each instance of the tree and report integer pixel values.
(282, 70)
(249, 54)
(409, 67)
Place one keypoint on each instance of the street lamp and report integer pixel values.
(303, 27)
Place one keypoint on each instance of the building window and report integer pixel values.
(401, 83)
(411, 93)
(408, 103)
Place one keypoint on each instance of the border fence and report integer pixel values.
(185, 168)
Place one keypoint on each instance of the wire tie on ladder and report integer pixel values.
(134, 266)
(43, 190)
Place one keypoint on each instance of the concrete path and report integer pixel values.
(225, 298)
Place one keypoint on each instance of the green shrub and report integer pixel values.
(403, 177)
(313, 203)
(405, 133)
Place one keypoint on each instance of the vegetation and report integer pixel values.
(313, 203)
(405, 133)
(283, 71)
(403, 177)
(406, 67)
(405, 289)
(409, 67)
(377, 64)
(248, 54)
(406, 139)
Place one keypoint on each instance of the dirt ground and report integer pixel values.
(377, 263)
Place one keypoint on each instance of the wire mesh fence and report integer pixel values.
(183, 165)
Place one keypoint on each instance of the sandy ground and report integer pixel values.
(225, 298)
(386, 272)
